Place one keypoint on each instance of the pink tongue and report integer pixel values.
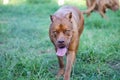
(61, 52)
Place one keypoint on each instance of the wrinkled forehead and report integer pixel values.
(61, 27)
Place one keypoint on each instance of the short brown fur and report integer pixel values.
(67, 24)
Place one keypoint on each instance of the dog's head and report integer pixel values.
(61, 32)
(114, 5)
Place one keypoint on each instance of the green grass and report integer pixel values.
(26, 52)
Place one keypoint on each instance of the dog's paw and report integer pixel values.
(60, 73)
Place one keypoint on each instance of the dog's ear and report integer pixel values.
(52, 17)
(69, 16)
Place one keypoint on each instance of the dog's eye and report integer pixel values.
(54, 33)
(67, 32)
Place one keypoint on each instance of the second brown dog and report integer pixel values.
(101, 6)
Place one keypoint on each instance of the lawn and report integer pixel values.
(26, 52)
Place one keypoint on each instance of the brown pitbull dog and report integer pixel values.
(101, 6)
(66, 26)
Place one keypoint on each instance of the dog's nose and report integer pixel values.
(61, 41)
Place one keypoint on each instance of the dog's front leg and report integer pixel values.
(69, 63)
(61, 65)
(102, 12)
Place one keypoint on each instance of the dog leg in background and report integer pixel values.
(90, 6)
(102, 12)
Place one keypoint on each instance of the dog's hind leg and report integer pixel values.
(90, 8)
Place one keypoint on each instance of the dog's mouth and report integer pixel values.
(61, 50)
(61, 46)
